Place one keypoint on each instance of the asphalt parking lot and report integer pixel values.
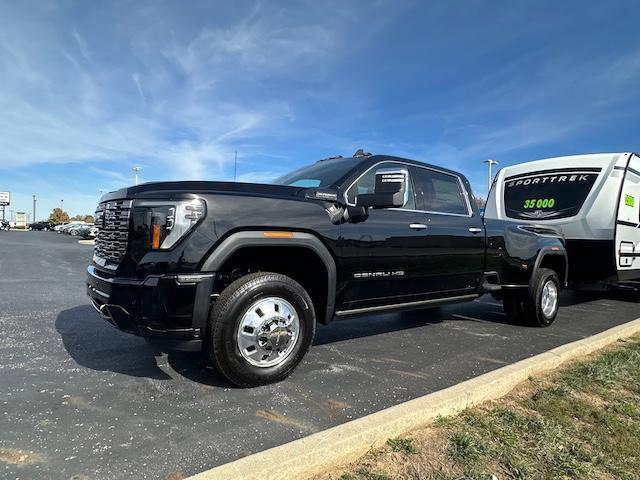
(90, 402)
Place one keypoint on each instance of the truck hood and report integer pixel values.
(165, 189)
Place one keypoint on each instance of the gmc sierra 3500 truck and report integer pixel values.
(248, 269)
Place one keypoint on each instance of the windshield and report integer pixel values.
(324, 173)
(548, 195)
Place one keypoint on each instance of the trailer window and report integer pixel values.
(547, 195)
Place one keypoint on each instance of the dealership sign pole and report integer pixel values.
(5, 199)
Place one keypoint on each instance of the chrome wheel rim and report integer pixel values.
(549, 301)
(268, 332)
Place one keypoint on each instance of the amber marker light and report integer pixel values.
(155, 237)
(278, 234)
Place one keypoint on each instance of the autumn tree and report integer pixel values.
(480, 202)
(83, 218)
(58, 216)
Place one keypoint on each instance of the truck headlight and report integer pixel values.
(169, 223)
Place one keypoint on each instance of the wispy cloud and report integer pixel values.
(82, 45)
(136, 80)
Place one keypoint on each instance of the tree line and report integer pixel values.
(60, 216)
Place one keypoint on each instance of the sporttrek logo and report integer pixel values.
(550, 178)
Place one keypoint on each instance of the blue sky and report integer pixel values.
(90, 89)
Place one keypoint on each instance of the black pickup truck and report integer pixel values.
(247, 269)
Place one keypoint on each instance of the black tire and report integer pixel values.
(512, 303)
(225, 318)
(533, 306)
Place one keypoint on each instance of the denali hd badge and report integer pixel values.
(397, 273)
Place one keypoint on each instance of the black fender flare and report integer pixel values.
(552, 251)
(251, 238)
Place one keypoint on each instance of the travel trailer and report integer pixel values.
(593, 199)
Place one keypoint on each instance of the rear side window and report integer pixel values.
(438, 192)
(547, 195)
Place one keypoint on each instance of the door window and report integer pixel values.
(438, 192)
(367, 182)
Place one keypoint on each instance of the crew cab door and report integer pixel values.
(627, 236)
(405, 255)
(381, 258)
(454, 244)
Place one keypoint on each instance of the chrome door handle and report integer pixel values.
(475, 230)
(417, 226)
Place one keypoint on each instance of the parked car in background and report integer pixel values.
(86, 231)
(59, 226)
(66, 228)
(46, 226)
(75, 230)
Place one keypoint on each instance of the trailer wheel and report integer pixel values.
(542, 301)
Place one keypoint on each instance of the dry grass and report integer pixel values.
(580, 422)
(14, 456)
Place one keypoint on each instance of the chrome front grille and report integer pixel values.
(112, 220)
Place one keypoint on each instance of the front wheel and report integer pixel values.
(260, 328)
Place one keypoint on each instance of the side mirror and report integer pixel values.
(390, 190)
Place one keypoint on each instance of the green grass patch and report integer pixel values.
(404, 445)
(366, 474)
(581, 422)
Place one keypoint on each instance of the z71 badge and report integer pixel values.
(398, 273)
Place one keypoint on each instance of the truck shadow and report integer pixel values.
(94, 344)
(578, 296)
(378, 324)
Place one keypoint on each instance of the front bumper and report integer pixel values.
(162, 306)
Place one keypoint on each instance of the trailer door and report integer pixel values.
(627, 237)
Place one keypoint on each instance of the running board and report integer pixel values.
(407, 305)
(490, 287)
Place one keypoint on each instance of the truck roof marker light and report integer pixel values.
(555, 249)
(155, 237)
(278, 234)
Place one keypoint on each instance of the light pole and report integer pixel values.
(235, 167)
(34, 207)
(489, 163)
(62, 205)
(135, 172)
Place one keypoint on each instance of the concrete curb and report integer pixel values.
(87, 242)
(345, 443)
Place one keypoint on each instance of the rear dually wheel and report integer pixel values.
(538, 305)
